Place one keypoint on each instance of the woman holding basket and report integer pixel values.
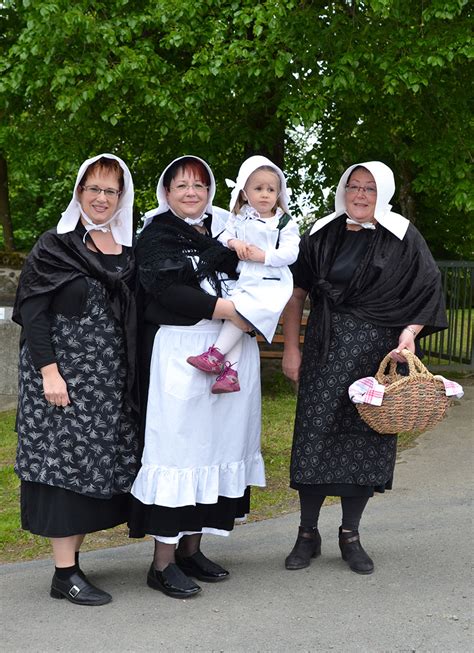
(374, 288)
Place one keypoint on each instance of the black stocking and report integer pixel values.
(352, 509)
(189, 544)
(164, 555)
(310, 508)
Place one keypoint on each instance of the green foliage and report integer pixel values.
(314, 85)
(398, 76)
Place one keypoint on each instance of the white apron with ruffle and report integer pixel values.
(199, 446)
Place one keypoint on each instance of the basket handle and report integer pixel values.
(414, 366)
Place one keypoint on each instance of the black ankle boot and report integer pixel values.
(305, 548)
(353, 553)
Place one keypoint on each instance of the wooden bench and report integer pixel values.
(275, 350)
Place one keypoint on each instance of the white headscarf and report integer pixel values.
(121, 223)
(246, 169)
(163, 205)
(385, 181)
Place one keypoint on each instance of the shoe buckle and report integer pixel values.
(74, 591)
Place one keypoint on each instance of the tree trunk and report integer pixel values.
(268, 123)
(278, 151)
(406, 196)
(5, 217)
(275, 151)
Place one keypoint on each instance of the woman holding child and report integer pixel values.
(201, 450)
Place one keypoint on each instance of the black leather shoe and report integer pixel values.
(201, 567)
(353, 553)
(172, 582)
(78, 590)
(305, 548)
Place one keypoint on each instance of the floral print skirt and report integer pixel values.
(332, 446)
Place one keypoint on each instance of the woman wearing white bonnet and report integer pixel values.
(76, 423)
(201, 451)
(374, 288)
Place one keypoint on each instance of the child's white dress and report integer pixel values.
(263, 289)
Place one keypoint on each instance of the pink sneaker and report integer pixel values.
(211, 361)
(227, 381)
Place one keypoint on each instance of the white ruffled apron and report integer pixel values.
(198, 446)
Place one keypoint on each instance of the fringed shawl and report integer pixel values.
(163, 254)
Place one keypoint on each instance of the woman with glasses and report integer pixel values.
(201, 451)
(77, 435)
(374, 288)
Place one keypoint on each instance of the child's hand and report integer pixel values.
(256, 254)
(240, 248)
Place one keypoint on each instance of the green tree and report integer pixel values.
(398, 75)
(314, 85)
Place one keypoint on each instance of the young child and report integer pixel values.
(266, 240)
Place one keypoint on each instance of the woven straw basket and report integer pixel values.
(411, 403)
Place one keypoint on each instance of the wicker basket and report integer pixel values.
(411, 403)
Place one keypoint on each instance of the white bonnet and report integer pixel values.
(246, 169)
(163, 205)
(385, 182)
(121, 225)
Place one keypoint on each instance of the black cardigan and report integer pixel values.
(169, 284)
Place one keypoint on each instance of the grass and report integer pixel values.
(278, 409)
(276, 499)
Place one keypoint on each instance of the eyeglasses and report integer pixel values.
(96, 191)
(369, 190)
(197, 187)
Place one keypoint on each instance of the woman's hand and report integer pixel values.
(291, 364)
(242, 324)
(255, 254)
(54, 386)
(240, 248)
(406, 341)
(292, 314)
(225, 310)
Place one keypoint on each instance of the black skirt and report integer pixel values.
(54, 512)
(341, 489)
(169, 522)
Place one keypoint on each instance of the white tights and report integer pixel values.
(229, 342)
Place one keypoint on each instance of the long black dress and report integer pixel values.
(334, 452)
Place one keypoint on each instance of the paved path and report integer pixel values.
(8, 402)
(419, 598)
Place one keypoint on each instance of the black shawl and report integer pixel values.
(58, 259)
(163, 251)
(396, 283)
